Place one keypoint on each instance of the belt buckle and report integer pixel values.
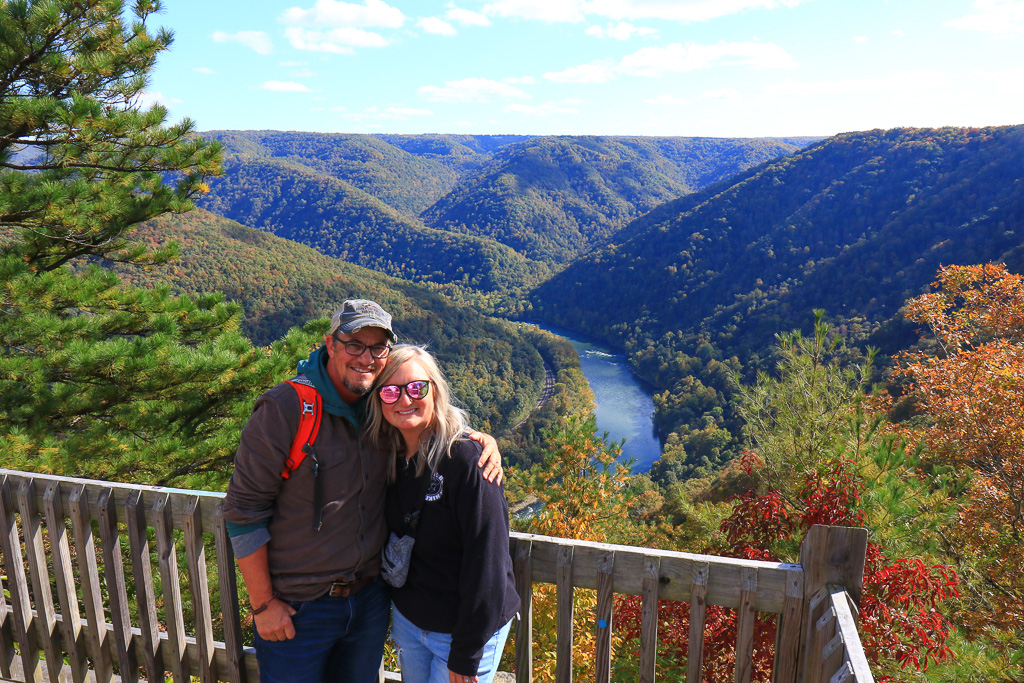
(343, 589)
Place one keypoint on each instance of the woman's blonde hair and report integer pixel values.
(449, 423)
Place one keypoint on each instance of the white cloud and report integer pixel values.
(620, 31)
(627, 10)
(284, 86)
(438, 27)
(861, 39)
(255, 40)
(147, 99)
(669, 100)
(595, 72)
(466, 17)
(331, 13)
(402, 113)
(655, 61)
(680, 10)
(471, 90)
(572, 11)
(675, 58)
(894, 83)
(1000, 18)
(722, 95)
(204, 70)
(546, 109)
(1007, 77)
(340, 41)
(898, 32)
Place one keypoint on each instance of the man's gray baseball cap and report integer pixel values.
(355, 314)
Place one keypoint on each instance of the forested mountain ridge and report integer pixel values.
(281, 284)
(406, 172)
(296, 202)
(547, 198)
(855, 224)
(553, 198)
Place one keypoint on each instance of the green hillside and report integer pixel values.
(406, 172)
(554, 198)
(855, 225)
(495, 368)
(299, 203)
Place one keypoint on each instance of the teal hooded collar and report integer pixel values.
(315, 370)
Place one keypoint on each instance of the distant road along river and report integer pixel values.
(625, 407)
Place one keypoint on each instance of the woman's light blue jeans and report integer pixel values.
(423, 655)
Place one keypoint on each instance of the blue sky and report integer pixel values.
(724, 68)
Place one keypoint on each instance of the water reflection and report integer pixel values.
(625, 407)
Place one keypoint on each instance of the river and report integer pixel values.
(625, 404)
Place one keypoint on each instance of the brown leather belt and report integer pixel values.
(343, 589)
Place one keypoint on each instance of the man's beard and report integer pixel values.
(358, 390)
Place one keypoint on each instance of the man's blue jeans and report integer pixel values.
(337, 640)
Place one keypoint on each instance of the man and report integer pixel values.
(308, 545)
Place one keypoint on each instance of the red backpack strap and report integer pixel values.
(309, 423)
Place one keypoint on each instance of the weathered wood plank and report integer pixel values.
(94, 489)
(145, 597)
(603, 617)
(846, 619)
(650, 585)
(676, 569)
(95, 635)
(167, 561)
(698, 612)
(832, 655)
(834, 555)
(788, 632)
(195, 553)
(64, 578)
(564, 638)
(521, 564)
(6, 636)
(235, 671)
(745, 622)
(113, 573)
(812, 644)
(46, 615)
(24, 629)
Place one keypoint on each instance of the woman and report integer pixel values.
(451, 617)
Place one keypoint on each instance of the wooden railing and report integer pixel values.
(112, 616)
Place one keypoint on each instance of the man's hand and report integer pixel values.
(459, 678)
(490, 459)
(275, 622)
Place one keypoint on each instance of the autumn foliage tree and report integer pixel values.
(971, 386)
(901, 624)
(586, 495)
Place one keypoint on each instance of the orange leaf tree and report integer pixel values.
(972, 387)
(586, 495)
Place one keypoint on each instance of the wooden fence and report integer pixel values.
(114, 617)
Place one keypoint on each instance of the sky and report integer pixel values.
(718, 68)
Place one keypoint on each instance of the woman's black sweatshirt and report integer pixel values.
(460, 579)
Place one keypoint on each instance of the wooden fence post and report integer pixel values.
(829, 555)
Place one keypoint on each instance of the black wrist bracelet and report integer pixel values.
(263, 608)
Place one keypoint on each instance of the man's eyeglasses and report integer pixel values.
(417, 391)
(354, 348)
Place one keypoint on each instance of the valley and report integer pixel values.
(689, 254)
